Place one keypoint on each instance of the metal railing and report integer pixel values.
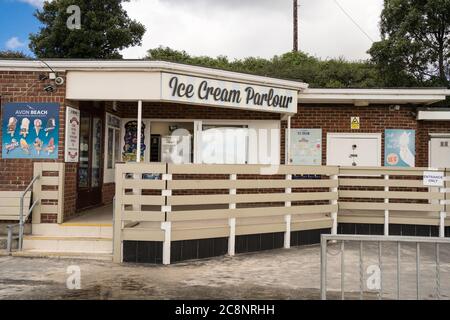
(22, 218)
(380, 240)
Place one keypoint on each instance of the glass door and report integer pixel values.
(90, 166)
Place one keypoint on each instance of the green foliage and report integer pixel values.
(336, 73)
(9, 54)
(105, 30)
(415, 45)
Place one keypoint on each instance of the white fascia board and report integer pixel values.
(373, 96)
(146, 66)
(433, 115)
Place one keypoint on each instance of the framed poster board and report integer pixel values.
(399, 148)
(30, 130)
(72, 141)
(306, 147)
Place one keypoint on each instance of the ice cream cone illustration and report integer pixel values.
(12, 123)
(11, 146)
(37, 126)
(24, 127)
(24, 145)
(51, 124)
(38, 145)
(50, 147)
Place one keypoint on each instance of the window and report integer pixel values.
(225, 144)
(113, 143)
(112, 146)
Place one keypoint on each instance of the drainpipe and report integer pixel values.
(139, 129)
(288, 142)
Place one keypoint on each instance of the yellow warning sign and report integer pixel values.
(355, 123)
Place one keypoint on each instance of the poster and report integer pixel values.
(30, 130)
(306, 147)
(72, 144)
(399, 148)
(130, 141)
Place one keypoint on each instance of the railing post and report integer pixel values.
(118, 224)
(334, 213)
(21, 223)
(323, 268)
(167, 227)
(288, 217)
(386, 211)
(232, 221)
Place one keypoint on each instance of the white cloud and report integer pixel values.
(14, 43)
(237, 28)
(34, 3)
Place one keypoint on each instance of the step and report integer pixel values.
(63, 255)
(73, 230)
(68, 244)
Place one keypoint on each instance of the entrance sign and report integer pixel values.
(433, 179)
(306, 147)
(400, 148)
(72, 142)
(30, 130)
(228, 94)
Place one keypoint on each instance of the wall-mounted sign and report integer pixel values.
(399, 148)
(306, 147)
(72, 142)
(210, 92)
(355, 123)
(30, 130)
(433, 179)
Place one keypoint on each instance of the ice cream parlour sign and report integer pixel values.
(30, 130)
(188, 89)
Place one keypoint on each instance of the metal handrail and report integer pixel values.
(21, 219)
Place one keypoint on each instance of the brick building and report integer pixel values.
(84, 115)
(107, 93)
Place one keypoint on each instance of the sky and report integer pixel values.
(234, 28)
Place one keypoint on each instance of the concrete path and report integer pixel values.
(277, 274)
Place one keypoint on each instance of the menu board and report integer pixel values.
(30, 130)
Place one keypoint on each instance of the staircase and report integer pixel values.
(86, 241)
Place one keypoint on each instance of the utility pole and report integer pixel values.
(295, 26)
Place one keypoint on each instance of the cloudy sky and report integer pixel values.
(235, 28)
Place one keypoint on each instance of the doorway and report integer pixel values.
(440, 151)
(90, 170)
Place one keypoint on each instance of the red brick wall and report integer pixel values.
(374, 119)
(15, 174)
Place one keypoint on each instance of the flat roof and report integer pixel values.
(365, 97)
(63, 65)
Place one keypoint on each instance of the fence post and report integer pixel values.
(167, 227)
(232, 222)
(118, 224)
(386, 211)
(334, 202)
(443, 203)
(288, 217)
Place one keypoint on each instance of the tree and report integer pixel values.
(415, 44)
(105, 30)
(9, 54)
(336, 73)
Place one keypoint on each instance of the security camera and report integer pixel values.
(49, 88)
(59, 81)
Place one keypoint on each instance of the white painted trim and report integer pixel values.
(146, 66)
(364, 97)
(433, 115)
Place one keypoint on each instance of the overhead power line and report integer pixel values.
(354, 21)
